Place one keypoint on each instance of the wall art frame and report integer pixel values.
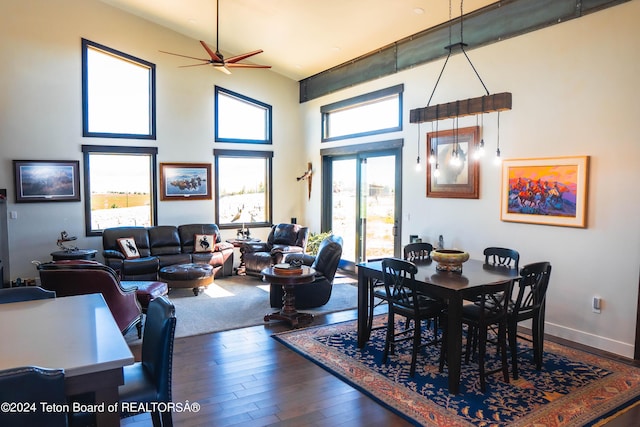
(47, 180)
(185, 181)
(458, 182)
(547, 191)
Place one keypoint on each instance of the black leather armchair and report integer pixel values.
(283, 240)
(318, 292)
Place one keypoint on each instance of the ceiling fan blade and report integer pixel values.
(237, 65)
(214, 55)
(222, 68)
(185, 56)
(194, 65)
(243, 56)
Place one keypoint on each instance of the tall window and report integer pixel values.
(368, 114)
(119, 187)
(241, 119)
(118, 94)
(243, 188)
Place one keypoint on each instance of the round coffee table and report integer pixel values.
(288, 313)
(191, 275)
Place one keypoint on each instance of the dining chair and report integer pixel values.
(29, 386)
(150, 379)
(501, 257)
(419, 251)
(404, 300)
(529, 304)
(24, 293)
(414, 252)
(489, 309)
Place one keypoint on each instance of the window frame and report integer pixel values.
(355, 102)
(88, 44)
(268, 157)
(87, 150)
(268, 119)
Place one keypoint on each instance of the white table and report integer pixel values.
(76, 333)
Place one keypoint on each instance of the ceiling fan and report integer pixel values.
(217, 60)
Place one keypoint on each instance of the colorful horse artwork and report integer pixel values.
(543, 190)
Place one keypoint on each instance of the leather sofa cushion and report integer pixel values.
(164, 240)
(110, 238)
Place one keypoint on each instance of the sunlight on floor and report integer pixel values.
(264, 287)
(215, 291)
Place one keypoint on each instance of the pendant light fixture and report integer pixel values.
(488, 103)
(418, 165)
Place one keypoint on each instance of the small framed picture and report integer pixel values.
(46, 181)
(185, 181)
(455, 174)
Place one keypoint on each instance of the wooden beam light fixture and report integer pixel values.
(473, 106)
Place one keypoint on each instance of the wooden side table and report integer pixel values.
(87, 254)
(288, 313)
(239, 243)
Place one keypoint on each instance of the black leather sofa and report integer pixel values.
(165, 245)
(318, 292)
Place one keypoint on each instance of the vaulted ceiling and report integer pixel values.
(300, 38)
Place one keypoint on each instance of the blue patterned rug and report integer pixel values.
(574, 388)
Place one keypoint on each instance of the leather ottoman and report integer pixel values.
(191, 275)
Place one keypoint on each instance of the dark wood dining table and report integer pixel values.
(447, 286)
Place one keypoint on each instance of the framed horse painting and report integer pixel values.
(549, 191)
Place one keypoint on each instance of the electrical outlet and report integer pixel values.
(13, 214)
(596, 304)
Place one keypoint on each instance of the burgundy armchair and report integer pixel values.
(284, 239)
(79, 277)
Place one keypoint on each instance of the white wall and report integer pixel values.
(575, 92)
(40, 70)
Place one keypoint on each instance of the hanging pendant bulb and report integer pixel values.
(498, 159)
(432, 155)
(478, 153)
(418, 165)
(436, 172)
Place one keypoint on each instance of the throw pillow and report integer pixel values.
(204, 243)
(129, 248)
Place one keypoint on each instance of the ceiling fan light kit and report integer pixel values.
(216, 58)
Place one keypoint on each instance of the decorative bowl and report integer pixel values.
(449, 259)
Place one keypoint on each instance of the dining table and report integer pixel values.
(75, 333)
(444, 285)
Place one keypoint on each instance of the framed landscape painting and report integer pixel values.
(549, 191)
(185, 181)
(46, 181)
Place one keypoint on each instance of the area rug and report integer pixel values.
(574, 388)
(240, 301)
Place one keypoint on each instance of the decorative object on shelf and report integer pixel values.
(46, 181)
(64, 238)
(308, 175)
(460, 108)
(453, 174)
(217, 60)
(185, 181)
(449, 259)
(549, 191)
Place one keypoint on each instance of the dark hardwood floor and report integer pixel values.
(244, 377)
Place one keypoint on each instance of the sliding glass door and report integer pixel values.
(362, 193)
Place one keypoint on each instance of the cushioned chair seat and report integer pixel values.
(147, 291)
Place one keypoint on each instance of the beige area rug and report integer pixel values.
(240, 301)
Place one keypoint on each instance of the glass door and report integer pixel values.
(365, 204)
